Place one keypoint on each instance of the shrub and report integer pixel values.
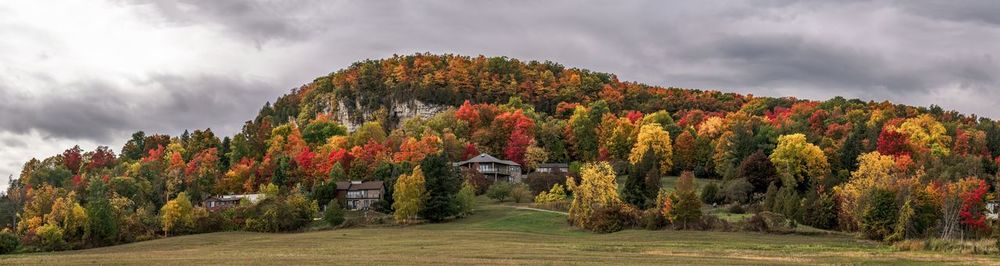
(770, 198)
(766, 221)
(710, 222)
(614, 218)
(477, 179)
(206, 222)
(50, 237)
(737, 191)
(879, 214)
(652, 219)
(500, 191)
(755, 223)
(8, 243)
(466, 199)
(334, 214)
(557, 193)
(710, 193)
(540, 182)
(736, 208)
(819, 210)
(282, 214)
(520, 193)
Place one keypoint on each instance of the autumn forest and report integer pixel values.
(883, 171)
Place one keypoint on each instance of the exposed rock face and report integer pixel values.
(396, 111)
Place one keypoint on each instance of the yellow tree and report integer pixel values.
(873, 168)
(927, 133)
(621, 137)
(408, 195)
(597, 188)
(176, 214)
(652, 138)
(68, 215)
(799, 161)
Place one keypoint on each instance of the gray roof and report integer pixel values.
(486, 158)
(356, 185)
(553, 165)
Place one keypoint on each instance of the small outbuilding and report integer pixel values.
(227, 201)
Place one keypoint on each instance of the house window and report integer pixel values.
(356, 194)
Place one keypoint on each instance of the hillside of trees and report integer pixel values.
(887, 171)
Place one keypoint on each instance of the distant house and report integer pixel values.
(226, 201)
(493, 168)
(552, 168)
(359, 195)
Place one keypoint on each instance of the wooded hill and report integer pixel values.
(835, 164)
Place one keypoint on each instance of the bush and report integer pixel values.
(334, 214)
(710, 222)
(755, 223)
(466, 199)
(539, 182)
(737, 191)
(736, 208)
(281, 214)
(207, 222)
(8, 243)
(769, 222)
(710, 193)
(477, 179)
(879, 214)
(521, 193)
(652, 219)
(556, 194)
(614, 218)
(819, 210)
(50, 237)
(500, 191)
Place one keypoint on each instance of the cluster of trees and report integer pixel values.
(831, 164)
(434, 191)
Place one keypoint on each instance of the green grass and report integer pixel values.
(496, 234)
(670, 182)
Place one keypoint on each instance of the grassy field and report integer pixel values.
(670, 182)
(496, 234)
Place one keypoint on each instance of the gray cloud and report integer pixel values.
(100, 111)
(913, 52)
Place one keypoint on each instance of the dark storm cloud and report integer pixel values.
(92, 115)
(99, 111)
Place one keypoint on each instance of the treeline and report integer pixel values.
(890, 171)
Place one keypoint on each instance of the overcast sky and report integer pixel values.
(92, 72)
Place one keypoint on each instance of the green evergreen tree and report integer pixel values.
(442, 183)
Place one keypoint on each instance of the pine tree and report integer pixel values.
(443, 183)
(687, 210)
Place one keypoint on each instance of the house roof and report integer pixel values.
(553, 165)
(251, 197)
(359, 185)
(486, 158)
